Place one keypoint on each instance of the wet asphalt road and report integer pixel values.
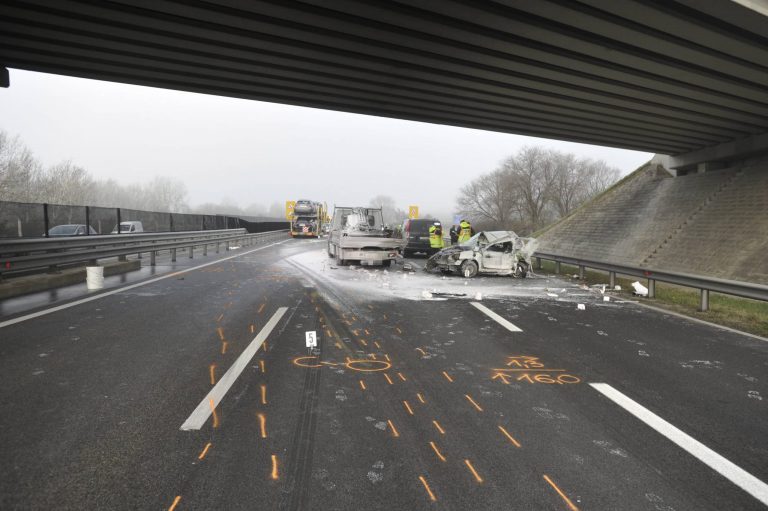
(404, 405)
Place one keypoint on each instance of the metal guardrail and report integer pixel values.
(19, 255)
(703, 284)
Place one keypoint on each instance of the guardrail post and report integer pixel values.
(173, 255)
(122, 258)
(153, 258)
(45, 220)
(217, 247)
(651, 288)
(226, 246)
(581, 272)
(557, 267)
(612, 279)
(205, 249)
(704, 302)
(538, 263)
(191, 252)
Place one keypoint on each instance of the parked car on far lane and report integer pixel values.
(69, 230)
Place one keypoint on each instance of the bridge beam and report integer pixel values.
(716, 156)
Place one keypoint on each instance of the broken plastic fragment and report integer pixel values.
(581, 307)
(640, 290)
(553, 295)
(426, 294)
(606, 298)
(617, 288)
(478, 296)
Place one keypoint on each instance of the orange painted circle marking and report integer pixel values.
(299, 362)
(368, 366)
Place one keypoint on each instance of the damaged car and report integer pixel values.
(487, 252)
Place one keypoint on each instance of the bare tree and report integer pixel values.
(490, 198)
(391, 213)
(533, 187)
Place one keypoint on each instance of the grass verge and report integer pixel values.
(740, 313)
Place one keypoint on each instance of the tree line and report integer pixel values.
(533, 188)
(23, 178)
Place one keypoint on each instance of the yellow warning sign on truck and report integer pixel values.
(289, 205)
(413, 212)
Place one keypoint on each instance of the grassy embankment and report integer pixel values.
(739, 313)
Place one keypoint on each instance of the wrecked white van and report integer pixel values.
(487, 252)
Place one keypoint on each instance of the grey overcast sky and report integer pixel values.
(254, 152)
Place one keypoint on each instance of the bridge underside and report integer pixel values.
(670, 77)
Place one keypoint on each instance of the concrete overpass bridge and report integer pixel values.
(681, 77)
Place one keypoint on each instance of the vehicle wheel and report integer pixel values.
(469, 269)
(386, 263)
(522, 270)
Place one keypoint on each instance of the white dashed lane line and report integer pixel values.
(498, 319)
(727, 469)
(200, 414)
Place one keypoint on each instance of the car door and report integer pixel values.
(498, 257)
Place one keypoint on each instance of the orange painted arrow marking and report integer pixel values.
(501, 376)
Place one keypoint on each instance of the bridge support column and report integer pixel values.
(173, 255)
(612, 279)
(153, 258)
(704, 302)
(651, 288)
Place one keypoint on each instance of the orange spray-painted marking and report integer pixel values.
(224, 347)
(220, 331)
(473, 403)
(205, 451)
(220, 316)
(437, 451)
(264, 345)
(372, 355)
(408, 407)
(215, 415)
(447, 377)
(175, 503)
(253, 328)
(362, 384)
(262, 424)
(263, 394)
(420, 398)
(426, 487)
(376, 343)
(570, 504)
(366, 331)
(389, 380)
(394, 430)
(437, 425)
(261, 365)
(387, 357)
(474, 472)
(506, 434)
(398, 330)
(212, 371)
(363, 342)
(423, 353)
(400, 375)
(274, 467)
(261, 308)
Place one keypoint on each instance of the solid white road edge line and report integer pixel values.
(126, 288)
(200, 414)
(727, 469)
(498, 319)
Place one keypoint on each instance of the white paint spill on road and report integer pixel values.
(498, 319)
(200, 414)
(727, 469)
(125, 288)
